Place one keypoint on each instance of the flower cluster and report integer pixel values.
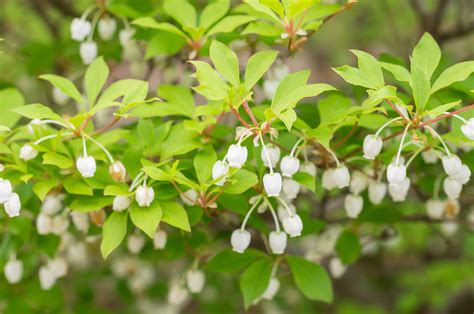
(10, 200)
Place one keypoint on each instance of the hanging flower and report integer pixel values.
(195, 280)
(220, 170)
(80, 29)
(289, 166)
(236, 155)
(144, 195)
(240, 240)
(272, 183)
(277, 241)
(86, 166)
(372, 146)
(27, 152)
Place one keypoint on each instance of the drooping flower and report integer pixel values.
(117, 171)
(13, 205)
(144, 195)
(277, 241)
(80, 29)
(189, 197)
(341, 176)
(5, 190)
(272, 183)
(27, 152)
(435, 208)
(291, 188)
(372, 146)
(396, 173)
(353, 205)
(452, 188)
(237, 155)
(13, 270)
(160, 239)
(121, 202)
(468, 129)
(272, 289)
(240, 240)
(273, 153)
(399, 191)
(220, 170)
(107, 27)
(309, 168)
(377, 191)
(88, 51)
(293, 225)
(195, 280)
(452, 164)
(289, 166)
(86, 166)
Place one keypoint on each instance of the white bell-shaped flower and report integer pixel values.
(52, 204)
(377, 191)
(289, 166)
(283, 212)
(398, 192)
(59, 97)
(449, 228)
(291, 188)
(464, 175)
(121, 203)
(13, 270)
(278, 242)
(272, 183)
(240, 240)
(125, 36)
(195, 280)
(452, 209)
(452, 164)
(59, 225)
(86, 165)
(452, 188)
(13, 205)
(372, 146)
(359, 182)
(47, 277)
(44, 224)
(88, 51)
(177, 294)
(159, 239)
(107, 27)
(135, 243)
(80, 221)
(34, 125)
(435, 208)
(117, 171)
(353, 205)
(272, 289)
(468, 129)
(237, 155)
(328, 179)
(144, 195)
(341, 176)
(429, 156)
(58, 267)
(396, 173)
(27, 152)
(5, 190)
(293, 225)
(189, 197)
(80, 29)
(273, 153)
(337, 268)
(309, 168)
(220, 170)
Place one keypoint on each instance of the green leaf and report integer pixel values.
(370, 68)
(241, 181)
(348, 247)
(149, 22)
(426, 55)
(255, 280)
(64, 85)
(10, 98)
(59, 160)
(292, 98)
(229, 24)
(174, 214)
(113, 232)
(400, 73)
(211, 85)
(262, 29)
(433, 113)
(203, 162)
(146, 218)
(115, 190)
(36, 111)
(297, 7)
(85, 204)
(262, 8)
(213, 12)
(421, 88)
(354, 76)
(179, 141)
(311, 279)
(257, 65)
(456, 73)
(95, 78)
(77, 186)
(306, 179)
(131, 90)
(225, 61)
(179, 99)
(289, 83)
(43, 187)
(181, 11)
(229, 261)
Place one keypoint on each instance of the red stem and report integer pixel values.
(250, 113)
(446, 116)
(237, 114)
(396, 109)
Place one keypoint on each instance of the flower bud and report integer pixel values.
(359, 182)
(33, 124)
(293, 225)
(13, 205)
(272, 289)
(452, 188)
(86, 166)
(44, 224)
(273, 153)
(189, 197)
(452, 164)
(59, 225)
(372, 146)
(236, 155)
(377, 191)
(80, 221)
(435, 208)
(283, 212)
(240, 240)
(341, 176)
(106, 28)
(309, 168)
(5, 190)
(452, 209)
(58, 267)
(135, 243)
(429, 156)
(291, 188)
(220, 170)
(52, 204)
(59, 97)
(195, 280)
(27, 152)
(88, 51)
(80, 29)
(468, 129)
(13, 270)
(398, 192)
(464, 175)
(117, 171)
(396, 173)
(160, 239)
(277, 242)
(125, 36)
(353, 205)
(272, 183)
(336, 267)
(98, 217)
(289, 166)
(47, 277)
(122, 203)
(144, 196)
(328, 179)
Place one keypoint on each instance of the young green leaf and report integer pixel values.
(229, 24)
(10, 98)
(174, 214)
(43, 187)
(77, 186)
(213, 12)
(85, 204)
(36, 111)
(426, 55)
(203, 162)
(244, 180)
(95, 78)
(211, 85)
(348, 247)
(182, 11)
(255, 280)
(64, 85)
(400, 73)
(421, 88)
(146, 218)
(229, 261)
(456, 73)
(257, 65)
(225, 61)
(59, 160)
(113, 232)
(289, 83)
(149, 22)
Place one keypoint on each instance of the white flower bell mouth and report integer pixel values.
(293, 225)
(13, 270)
(464, 175)
(353, 205)
(468, 129)
(195, 280)
(107, 27)
(341, 177)
(27, 152)
(291, 188)
(88, 51)
(452, 165)
(144, 195)
(86, 165)
(273, 153)
(13, 205)
(377, 191)
(396, 173)
(80, 29)
(372, 146)
(237, 155)
(399, 191)
(5, 190)
(220, 170)
(289, 166)
(117, 171)
(278, 242)
(121, 203)
(240, 240)
(452, 188)
(272, 183)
